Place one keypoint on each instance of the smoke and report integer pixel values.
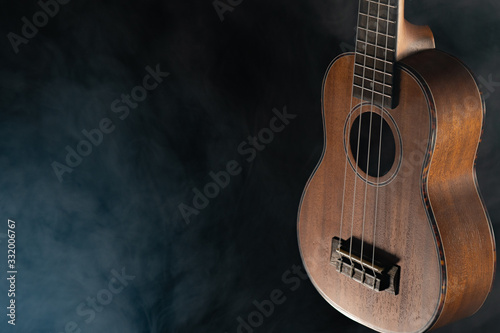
(117, 211)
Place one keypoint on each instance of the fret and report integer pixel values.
(373, 85)
(388, 4)
(385, 49)
(376, 32)
(379, 10)
(371, 96)
(373, 74)
(360, 67)
(370, 61)
(366, 48)
(381, 40)
(368, 16)
(369, 93)
(368, 90)
(380, 26)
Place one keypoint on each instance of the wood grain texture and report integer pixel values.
(429, 217)
(465, 229)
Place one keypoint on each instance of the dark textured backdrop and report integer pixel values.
(117, 212)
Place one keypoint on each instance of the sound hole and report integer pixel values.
(371, 141)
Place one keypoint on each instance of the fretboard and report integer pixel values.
(376, 51)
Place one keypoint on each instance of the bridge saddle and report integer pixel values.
(372, 274)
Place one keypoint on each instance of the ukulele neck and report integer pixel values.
(375, 54)
(384, 37)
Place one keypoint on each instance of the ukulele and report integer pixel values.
(392, 229)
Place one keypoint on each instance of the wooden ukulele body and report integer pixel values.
(425, 215)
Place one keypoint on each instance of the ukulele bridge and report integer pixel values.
(363, 269)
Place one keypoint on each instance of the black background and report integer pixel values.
(120, 207)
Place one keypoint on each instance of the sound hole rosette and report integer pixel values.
(364, 110)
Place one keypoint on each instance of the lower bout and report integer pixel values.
(407, 243)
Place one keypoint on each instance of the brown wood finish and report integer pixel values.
(411, 38)
(464, 226)
(430, 217)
